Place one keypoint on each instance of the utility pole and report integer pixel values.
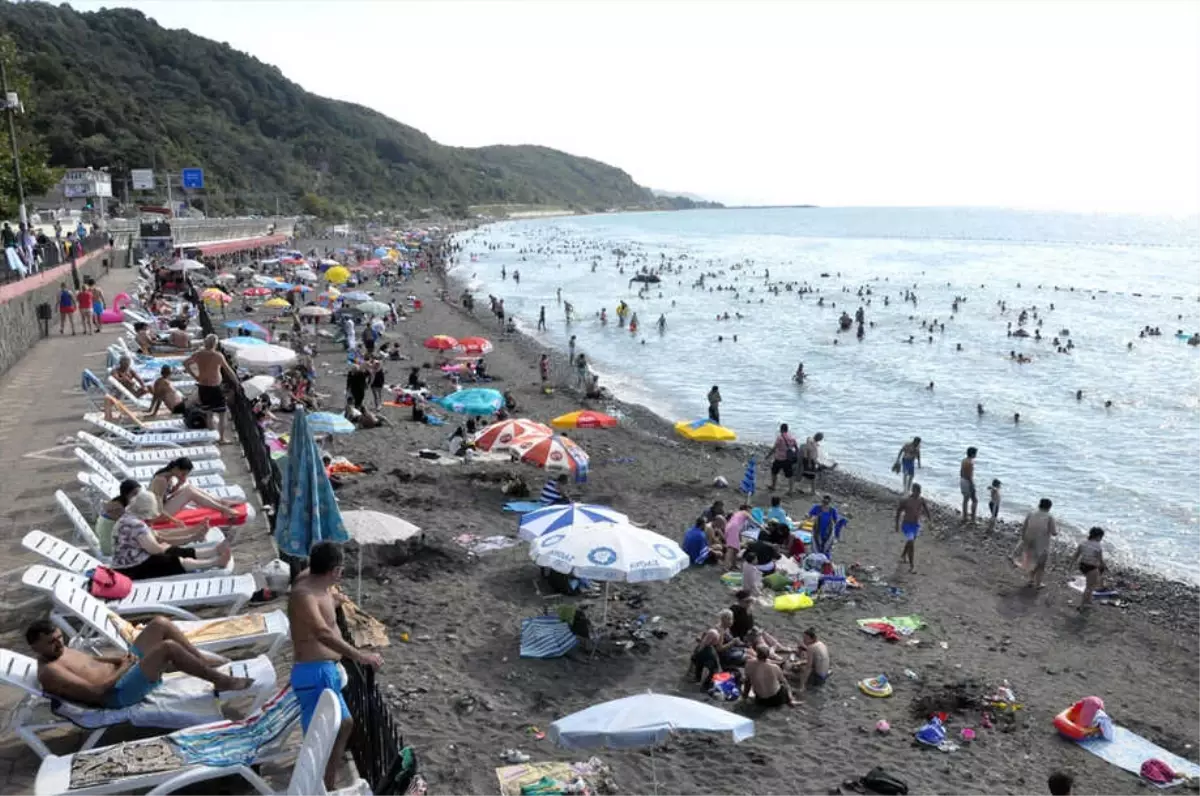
(12, 137)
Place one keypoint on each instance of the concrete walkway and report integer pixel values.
(41, 406)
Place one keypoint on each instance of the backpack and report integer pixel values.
(194, 418)
(879, 781)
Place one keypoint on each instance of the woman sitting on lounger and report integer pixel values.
(111, 511)
(139, 553)
(171, 487)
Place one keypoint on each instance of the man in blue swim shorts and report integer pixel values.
(119, 682)
(908, 521)
(318, 645)
(907, 462)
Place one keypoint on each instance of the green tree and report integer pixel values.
(36, 176)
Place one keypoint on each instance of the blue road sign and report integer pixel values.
(193, 178)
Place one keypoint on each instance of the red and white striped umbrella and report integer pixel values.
(499, 436)
(553, 454)
(253, 292)
(474, 345)
(441, 342)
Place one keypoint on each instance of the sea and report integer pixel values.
(1124, 456)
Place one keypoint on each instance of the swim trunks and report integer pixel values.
(909, 466)
(776, 700)
(967, 487)
(783, 465)
(910, 530)
(994, 508)
(212, 399)
(309, 679)
(815, 679)
(132, 688)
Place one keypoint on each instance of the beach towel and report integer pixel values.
(546, 637)
(485, 544)
(1128, 750)
(513, 778)
(523, 506)
(904, 625)
(239, 742)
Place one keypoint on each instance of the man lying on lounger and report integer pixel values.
(118, 682)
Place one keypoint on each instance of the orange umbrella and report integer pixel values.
(475, 345)
(441, 342)
(584, 419)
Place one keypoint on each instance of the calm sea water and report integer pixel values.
(1133, 468)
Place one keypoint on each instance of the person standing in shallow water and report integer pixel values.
(908, 460)
(966, 485)
(714, 404)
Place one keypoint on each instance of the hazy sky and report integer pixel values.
(1072, 105)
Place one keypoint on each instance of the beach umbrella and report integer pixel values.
(264, 281)
(338, 275)
(315, 312)
(226, 277)
(371, 265)
(584, 419)
(329, 423)
(560, 517)
(703, 431)
(257, 385)
(441, 342)
(308, 512)
(247, 326)
(356, 295)
(381, 252)
(276, 303)
(245, 270)
(554, 454)
(256, 292)
(748, 479)
(498, 436)
(186, 265)
(333, 293)
(305, 274)
(264, 356)
(474, 345)
(609, 551)
(328, 263)
(375, 527)
(475, 401)
(215, 296)
(244, 341)
(300, 289)
(374, 308)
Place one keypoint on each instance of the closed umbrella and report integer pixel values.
(584, 419)
(441, 342)
(338, 275)
(475, 401)
(374, 308)
(329, 423)
(498, 436)
(557, 518)
(704, 431)
(475, 345)
(554, 454)
(308, 512)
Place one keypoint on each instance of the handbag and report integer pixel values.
(108, 584)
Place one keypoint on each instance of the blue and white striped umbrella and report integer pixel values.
(329, 423)
(748, 479)
(557, 518)
(609, 551)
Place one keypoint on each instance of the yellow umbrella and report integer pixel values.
(333, 292)
(213, 295)
(703, 431)
(276, 303)
(338, 275)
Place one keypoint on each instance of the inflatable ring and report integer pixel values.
(1067, 723)
(876, 686)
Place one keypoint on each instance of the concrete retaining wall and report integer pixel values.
(19, 329)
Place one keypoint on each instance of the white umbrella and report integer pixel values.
(245, 269)
(264, 356)
(315, 312)
(186, 265)
(257, 385)
(305, 274)
(375, 527)
(226, 277)
(540, 522)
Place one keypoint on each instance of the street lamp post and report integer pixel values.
(11, 105)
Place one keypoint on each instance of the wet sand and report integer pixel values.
(462, 693)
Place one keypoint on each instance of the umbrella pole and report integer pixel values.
(359, 600)
(654, 771)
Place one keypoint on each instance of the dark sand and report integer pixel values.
(462, 693)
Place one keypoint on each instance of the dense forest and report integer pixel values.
(114, 89)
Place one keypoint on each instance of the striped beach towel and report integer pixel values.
(546, 637)
(240, 742)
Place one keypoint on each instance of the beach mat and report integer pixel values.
(1128, 750)
(1080, 583)
(546, 637)
(904, 625)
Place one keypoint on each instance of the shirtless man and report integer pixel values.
(771, 689)
(119, 682)
(179, 337)
(207, 366)
(909, 459)
(966, 484)
(127, 376)
(813, 666)
(317, 644)
(163, 393)
(908, 521)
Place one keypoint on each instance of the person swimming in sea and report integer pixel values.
(799, 376)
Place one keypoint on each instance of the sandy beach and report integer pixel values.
(463, 694)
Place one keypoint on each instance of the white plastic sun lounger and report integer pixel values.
(104, 485)
(100, 626)
(181, 701)
(151, 440)
(122, 393)
(205, 458)
(62, 554)
(117, 469)
(156, 596)
(153, 426)
(86, 533)
(261, 737)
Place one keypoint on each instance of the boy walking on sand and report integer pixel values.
(908, 522)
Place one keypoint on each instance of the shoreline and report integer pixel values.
(1006, 529)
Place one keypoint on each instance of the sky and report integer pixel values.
(1077, 105)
